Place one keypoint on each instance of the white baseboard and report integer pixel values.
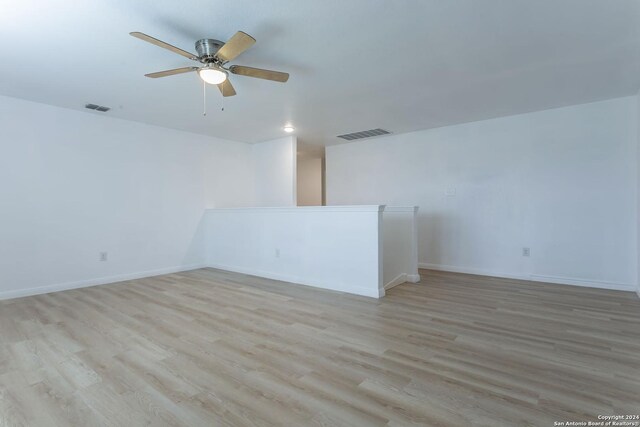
(466, 270)
(616, 286)
(19, 293)
(400, 279)
(572, 281)
(413, 278)
(374, 293)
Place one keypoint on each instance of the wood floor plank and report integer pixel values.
(210, 347)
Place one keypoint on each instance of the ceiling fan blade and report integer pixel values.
(259, 73)
(237, 44)
(171, 72)
(226, 88)
(160, 43)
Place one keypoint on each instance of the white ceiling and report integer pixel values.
(402, 65)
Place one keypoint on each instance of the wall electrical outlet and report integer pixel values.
(526, 251)
(104, 256)
(277, 253)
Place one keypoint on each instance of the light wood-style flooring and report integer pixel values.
(212, 348)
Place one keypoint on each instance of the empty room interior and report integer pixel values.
(319, 213)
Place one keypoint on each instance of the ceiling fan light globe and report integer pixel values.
(212, 76)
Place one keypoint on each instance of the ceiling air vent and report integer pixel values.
(97, 107)
(364, 134)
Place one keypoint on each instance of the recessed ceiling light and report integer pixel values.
(288, 128)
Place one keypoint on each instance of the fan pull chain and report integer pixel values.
(222, 96)
(204, 98)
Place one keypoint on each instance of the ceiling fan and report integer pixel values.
(214, 55)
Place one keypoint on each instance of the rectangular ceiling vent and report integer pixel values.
(364, 134)
(97, 107)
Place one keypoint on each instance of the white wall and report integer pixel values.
(400, 245)
(561, 182)
(275, 172)
(309, 181)
(335, 248)
(74, 184)
(638, 191)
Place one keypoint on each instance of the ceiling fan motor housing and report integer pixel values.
(207, 48)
